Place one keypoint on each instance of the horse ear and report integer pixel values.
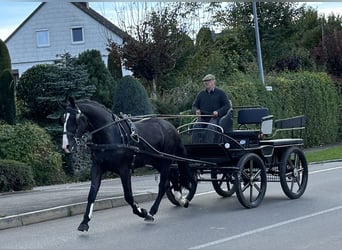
(72, 101)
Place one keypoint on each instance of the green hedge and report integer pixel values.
(309, 93)
(32, 145)
(315, 96)
(312, 94)
(15, 176)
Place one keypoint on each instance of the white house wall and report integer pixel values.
(58, 18)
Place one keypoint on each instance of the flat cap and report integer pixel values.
(208, 77)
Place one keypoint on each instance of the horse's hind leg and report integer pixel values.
(96, 174)
(164, 178)
(125, 176)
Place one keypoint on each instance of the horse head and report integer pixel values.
(75, 124)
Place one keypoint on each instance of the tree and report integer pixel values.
(5, 62)
(131, 97)
(328, 53)
(114, 64)
(7, 103)
(41, 86)
(98, 76)
(154, 51)
(276, 26)
(7, 100)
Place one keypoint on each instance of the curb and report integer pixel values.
(67, 210)
(322, 162)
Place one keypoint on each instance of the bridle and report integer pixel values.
(116, 120)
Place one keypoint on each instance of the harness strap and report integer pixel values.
(134, 135)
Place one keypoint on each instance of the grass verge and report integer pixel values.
(318, 155)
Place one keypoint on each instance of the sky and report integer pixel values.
(13, 13)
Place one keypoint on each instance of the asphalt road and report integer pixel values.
(313, 221)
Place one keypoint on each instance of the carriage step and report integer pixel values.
(283, 142)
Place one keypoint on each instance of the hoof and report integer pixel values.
(186, 203)
(183, 202)
(149, 218)
(83, 227)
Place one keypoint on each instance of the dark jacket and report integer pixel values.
(216, 100)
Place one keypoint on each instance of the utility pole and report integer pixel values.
(257, 38)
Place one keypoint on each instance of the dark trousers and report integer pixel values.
(204, 135)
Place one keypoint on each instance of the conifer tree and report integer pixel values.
(7, 88)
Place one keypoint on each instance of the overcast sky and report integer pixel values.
(13, 13)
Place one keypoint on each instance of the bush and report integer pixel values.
(131, 97)
(32, 145)
(15, 176)
(41, 86)
(31, 85)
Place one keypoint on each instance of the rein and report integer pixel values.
(108, 125)
(134, 136)
(118, 120)
(138, 117)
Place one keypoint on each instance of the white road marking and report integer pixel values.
(261, 229)
(325, 170)
(279, 224)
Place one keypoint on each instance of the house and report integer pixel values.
(59, 27)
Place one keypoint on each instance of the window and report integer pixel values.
(43, 39)
(77, 35)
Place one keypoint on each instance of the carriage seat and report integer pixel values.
(226, 121)
(246, 117)
(251, 116)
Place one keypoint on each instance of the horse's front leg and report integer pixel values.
(96, 174)
(125, 176)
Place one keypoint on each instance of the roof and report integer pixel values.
(99, 18)
(86, 9)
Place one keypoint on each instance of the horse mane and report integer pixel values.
(94, 103)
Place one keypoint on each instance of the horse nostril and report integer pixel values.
(68, 149)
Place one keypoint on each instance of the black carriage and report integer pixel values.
(243, 160)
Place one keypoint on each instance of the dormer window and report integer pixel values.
(77, 35)
(43, 38)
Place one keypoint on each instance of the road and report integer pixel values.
(313, 221)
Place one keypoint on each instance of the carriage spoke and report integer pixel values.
(257, 174)
(245, 174)
(292, 184)
(257, 187)
(245, 187)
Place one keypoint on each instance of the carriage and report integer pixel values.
(239, 161)
(245, 159)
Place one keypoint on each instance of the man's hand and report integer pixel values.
(215, 114)
(198, 112)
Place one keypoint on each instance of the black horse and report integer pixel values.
(119, 146)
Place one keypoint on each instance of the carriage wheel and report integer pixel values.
(186, 193)
(293, 172)
(224, 184)
(251, 180)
